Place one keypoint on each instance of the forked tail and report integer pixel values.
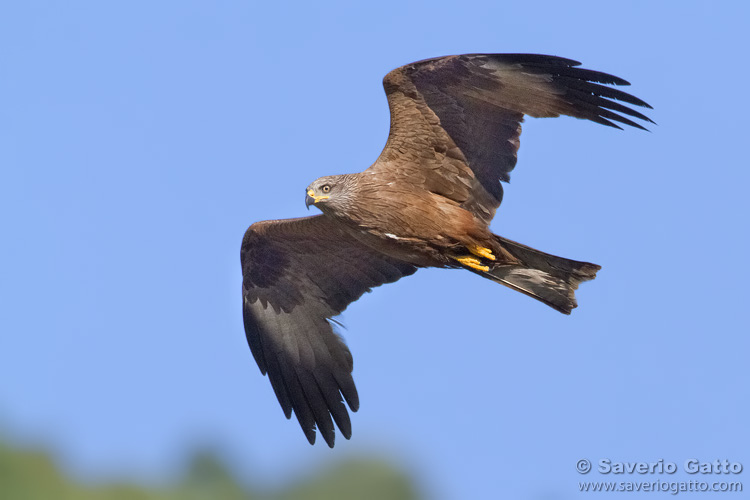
(547, 278)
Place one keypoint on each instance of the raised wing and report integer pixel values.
(457, 119)
(298, 274)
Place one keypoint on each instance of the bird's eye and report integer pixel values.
(326, 188)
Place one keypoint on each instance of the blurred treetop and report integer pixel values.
(33, 475)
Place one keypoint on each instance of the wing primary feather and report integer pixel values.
(330, 391)
(254, 338)
(588, 110)
(587, 75)
(594, 76)
(614, 116)
(601, 121)
(287, 369)
(541, 59)
(602, 90)
(317, 403)
(606, 103)
(280, 388)
(302, 409)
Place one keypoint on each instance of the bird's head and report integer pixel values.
(327, 192)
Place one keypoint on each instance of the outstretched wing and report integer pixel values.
(456, 120)
(298, 274)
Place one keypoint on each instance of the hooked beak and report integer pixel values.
(311, 199)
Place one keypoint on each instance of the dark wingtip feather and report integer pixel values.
(604, 121)
(614, 116)
(528, 59)
(309, 434)
(644, 104)
(332, 441)
(351, 397)
(593, 76)
(330, 438)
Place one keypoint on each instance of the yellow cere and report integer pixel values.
(311, 193)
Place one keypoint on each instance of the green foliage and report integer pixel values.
(32, 475)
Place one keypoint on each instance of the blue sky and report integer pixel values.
(138, 141)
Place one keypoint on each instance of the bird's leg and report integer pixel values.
(471, 262)
(481, 252)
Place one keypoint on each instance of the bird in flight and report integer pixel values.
(427, 201)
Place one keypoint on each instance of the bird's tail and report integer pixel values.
(547, 278)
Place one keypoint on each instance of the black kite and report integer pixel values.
(426, 202)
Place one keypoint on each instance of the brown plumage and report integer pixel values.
(426, 202)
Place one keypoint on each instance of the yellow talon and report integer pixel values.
(482, 252)
(472, 262)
